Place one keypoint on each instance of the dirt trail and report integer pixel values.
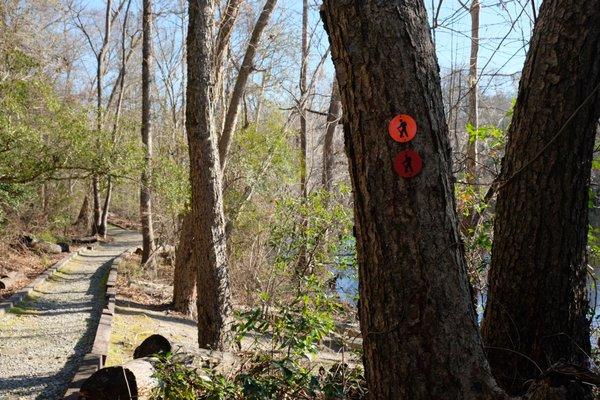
(43, 340)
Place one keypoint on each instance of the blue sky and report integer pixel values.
(505, 30)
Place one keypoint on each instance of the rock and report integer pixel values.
(46, 247)
(64, 247)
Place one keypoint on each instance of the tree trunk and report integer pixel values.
(102, 228)
(184, 281)
(240, 83)
(147, 79)
(303, 267)
(333, 117)
(420, 339)
(303, 102)
(84, 214)
(100, 71)
(209, 252)
(228, 19)
(97, 211)
(473, 113)
(120, 85)
(261, 96)
(536, 310)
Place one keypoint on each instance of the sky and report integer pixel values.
(504, 34)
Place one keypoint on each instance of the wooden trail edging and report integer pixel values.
(95, 359)
(18, 297)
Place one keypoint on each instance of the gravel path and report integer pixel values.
(43, 340)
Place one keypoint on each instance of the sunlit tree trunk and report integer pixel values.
(209, 254)
(473, 112)
(420, 339)
(147, 80)
(120, 85)
(184, 281)
(303, 267)
(537, 305)
(333, 117)
(97, 227)
(240, 84)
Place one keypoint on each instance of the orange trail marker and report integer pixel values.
(402, 128)
(408, 164)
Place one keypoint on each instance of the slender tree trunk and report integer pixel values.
(420, 339)
(537, 305)
(261, 96)
(303, 94)
(209, 253)
(333, 117)
(473, 113)
(120, 85)
(241, 81)
(147, 80)
(84, 214)
(103, 227)
(184, 281)
(97, 211)
(228, 19)
(97, 228)
(303, 267)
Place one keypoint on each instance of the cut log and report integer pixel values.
(152, 345)
(9, 279)
(64, 247)
(133, 380)
(85, 240)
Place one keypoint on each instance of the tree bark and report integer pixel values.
(147, 80)
(97, 211)
(303, 94)
(209, 252)
(97, 227)
(537, 305)
(240, 83)
(473, 113)
(84, 214)
(420, 339)
(228, 19)
(303, 268)
(102, 228)
(184, 280)
(333, 117)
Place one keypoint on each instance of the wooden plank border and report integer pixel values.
(95, 359)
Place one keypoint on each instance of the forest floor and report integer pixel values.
(43, 340)
(27, 262)
(142, 310)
